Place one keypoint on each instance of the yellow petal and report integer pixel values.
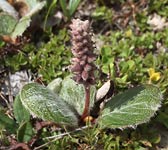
(155, 76)
(128, 33)
(151, 71)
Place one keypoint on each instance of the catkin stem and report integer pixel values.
(87, 102)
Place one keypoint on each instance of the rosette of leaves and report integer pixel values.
(15, 17)
(62, 101)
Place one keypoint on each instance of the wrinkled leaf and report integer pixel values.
(135, 106)
(74, 94)
(24, 132)
(20, 113)
(45, 104)
(8, 24)
(7, 123)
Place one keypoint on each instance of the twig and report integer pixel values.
(66, 133)
(57, 137)
(10, 92)
(6, 101)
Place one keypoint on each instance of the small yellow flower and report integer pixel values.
(128, 33)
(153, 76)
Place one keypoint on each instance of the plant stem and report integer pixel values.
(87, 102)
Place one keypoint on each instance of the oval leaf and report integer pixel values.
(7, 123)
(74, 94)
(55, 85)
(21, 26)
(24, 22)
(45, 104)
(25, 132)
(8, 24)
(20, 113)
(135, 106)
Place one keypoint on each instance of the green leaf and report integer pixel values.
(63, 5)
(45, 104)
(34, 6)
(52, 5)
(73, 4)
(31, 3)
(20, 113)
(8, 24)
(7, 123)
(55, 85)
(24, 22)
(74, 94)
(163, 118)
(24, 132)
(135, 106)
(21, 26)
(131, 64)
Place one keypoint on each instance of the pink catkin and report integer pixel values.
(82, 63)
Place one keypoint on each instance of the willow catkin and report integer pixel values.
(82, 63)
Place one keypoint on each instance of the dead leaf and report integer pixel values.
(157, 22)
